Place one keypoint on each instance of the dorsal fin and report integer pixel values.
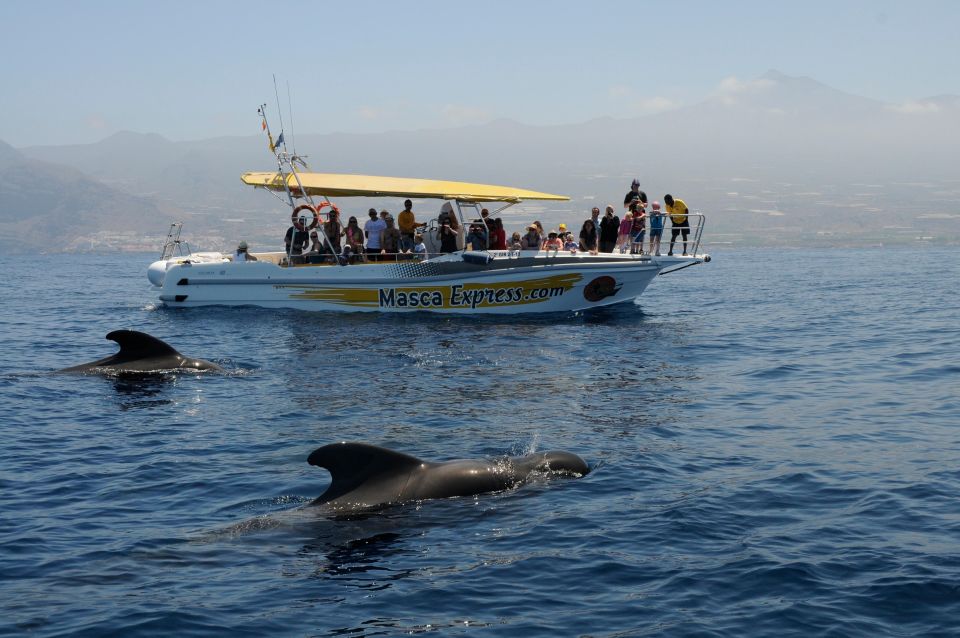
(139, 345)
(353, 464)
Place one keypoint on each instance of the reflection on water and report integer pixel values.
(142, 390)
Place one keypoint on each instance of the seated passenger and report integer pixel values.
(515, 243)
(569, 243)
(242, 254)
(532, 240)
(419, 248)
(553, 242)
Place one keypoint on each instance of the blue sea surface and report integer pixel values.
(774, 437)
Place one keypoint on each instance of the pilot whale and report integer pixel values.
(365, 476)
(140, 352)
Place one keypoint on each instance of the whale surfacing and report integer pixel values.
(139, 353)
(365, 476)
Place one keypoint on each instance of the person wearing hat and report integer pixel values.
(242, 254)
(634, 193)
(553, 241)
(532, 240)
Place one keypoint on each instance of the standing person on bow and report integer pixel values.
(634, 193)
(609, 229)
(679, 222)
(372, 230)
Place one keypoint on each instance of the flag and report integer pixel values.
(270, 142)
(263, 125)
(280, 139)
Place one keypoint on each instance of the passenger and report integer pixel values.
(347, 255)
(407, 222)
(515, 243)
(448, 237)
(487, 222)
(333, 228)
(499, 235)
(295, 241)
(353, 237)
(477, 238)
(532, 240)
(540, 230)
(639, 227)
(625, 236)
(595, 218)
(656, 228)
(635, 192)
(242, 254)
(372, 230)
(679, 222)
(389, 238)
(553, 242)
(588, 236)
(569, 243)
(609, 229)
(315, 254)
(446, 213)
(419, 248)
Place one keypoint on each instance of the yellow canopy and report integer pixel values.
(336, 185)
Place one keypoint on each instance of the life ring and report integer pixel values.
(333, 207)
(295, 217)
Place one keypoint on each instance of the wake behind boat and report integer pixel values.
(461, 280)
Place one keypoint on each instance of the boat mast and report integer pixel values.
(285, 165)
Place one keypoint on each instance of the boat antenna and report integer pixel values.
(293, 138)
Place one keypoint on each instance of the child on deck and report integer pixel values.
(656, 228)
(571, 244)
(639, 229)
(419, 248)
(626, 233)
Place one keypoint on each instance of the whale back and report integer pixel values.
(365, 476)
(140, 352)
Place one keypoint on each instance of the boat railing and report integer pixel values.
(173, 246)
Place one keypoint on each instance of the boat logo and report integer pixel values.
(601, 288)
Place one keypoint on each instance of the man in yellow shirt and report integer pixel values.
(407, 224)
(679, 223)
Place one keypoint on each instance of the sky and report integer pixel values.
(78, 72)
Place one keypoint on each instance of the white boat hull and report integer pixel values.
(511, 283)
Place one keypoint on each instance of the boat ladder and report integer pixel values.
(173, 244)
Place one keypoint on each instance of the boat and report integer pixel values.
(464, 281)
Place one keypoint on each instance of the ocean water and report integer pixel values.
(774, 437)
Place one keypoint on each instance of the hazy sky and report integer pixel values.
(79, 71)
